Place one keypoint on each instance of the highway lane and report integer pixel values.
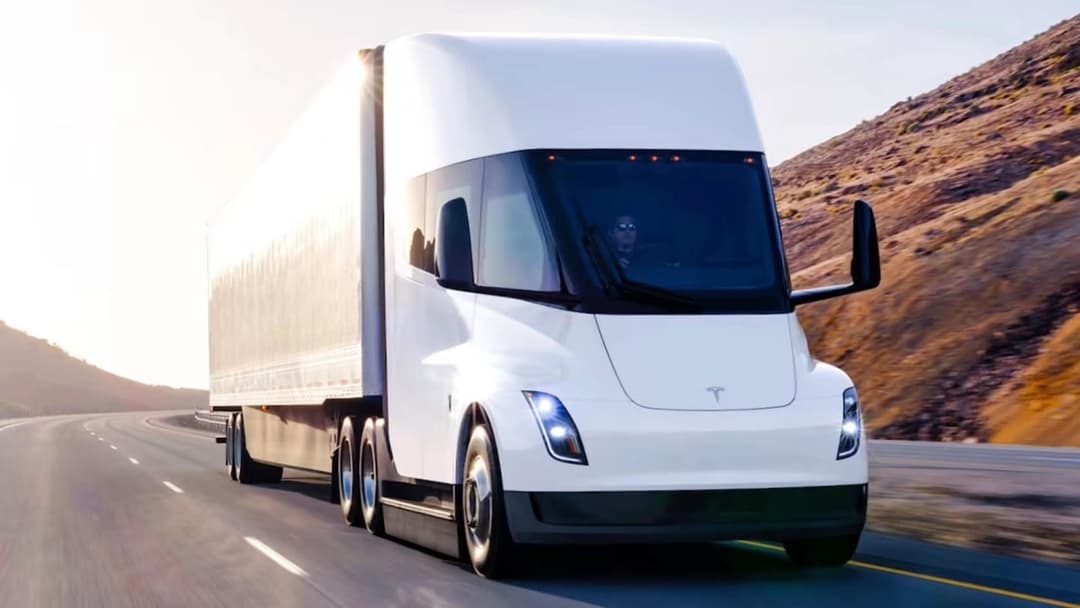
(156, 521)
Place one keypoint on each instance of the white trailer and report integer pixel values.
(514, 290)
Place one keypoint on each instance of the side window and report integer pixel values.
(417, 238)
(462, 180)
(515, 251)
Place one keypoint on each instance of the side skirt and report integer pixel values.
(415, 510)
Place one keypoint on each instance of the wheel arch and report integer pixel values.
(472, 416)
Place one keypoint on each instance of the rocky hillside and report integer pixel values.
(38, 378)
(975, 332)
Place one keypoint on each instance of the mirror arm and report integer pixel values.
(816, 294)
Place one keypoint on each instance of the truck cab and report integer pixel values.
(591, 332)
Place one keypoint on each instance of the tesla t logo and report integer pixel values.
(715, 390)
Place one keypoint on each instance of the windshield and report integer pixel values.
(695, 224)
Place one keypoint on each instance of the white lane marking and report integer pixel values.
(101, 439)
(92, 433)
(172, 486)
(112, 446)
(278, 558)
(133, 461)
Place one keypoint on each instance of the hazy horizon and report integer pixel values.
(131, 121)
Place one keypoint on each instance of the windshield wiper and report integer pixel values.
(615, 280)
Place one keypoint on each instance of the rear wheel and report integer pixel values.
(370, 506)
(248, 471)
(822, 552)
(348, 471)
(230, 449)
(335, 483)
(486, 534)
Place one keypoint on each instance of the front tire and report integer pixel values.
(832, 551)
(483, 523)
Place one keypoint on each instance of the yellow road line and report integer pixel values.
(937, 579)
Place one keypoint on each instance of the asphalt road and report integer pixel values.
(109, 510)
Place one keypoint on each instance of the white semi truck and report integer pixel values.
(513, 290)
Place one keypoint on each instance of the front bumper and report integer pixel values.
(685, 515)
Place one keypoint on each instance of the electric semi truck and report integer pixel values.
(517, 290)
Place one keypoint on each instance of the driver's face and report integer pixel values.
(624, 231)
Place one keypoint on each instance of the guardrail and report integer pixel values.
(208, 417)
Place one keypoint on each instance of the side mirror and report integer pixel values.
(865, 261)
(453, 247)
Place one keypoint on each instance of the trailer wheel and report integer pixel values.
(230, 441)
(369, 481)
(833, 551)
(348, 471)
(247, 470)
(487, 536)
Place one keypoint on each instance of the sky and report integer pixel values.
(125, 123)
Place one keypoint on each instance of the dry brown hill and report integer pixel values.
(38, 378)
(975, 331)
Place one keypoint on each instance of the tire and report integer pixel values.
(348, 473)
(242, 462)
(486, 535)
(335, 483)
(370, 491)
(832, 551)
(230, 440)
(247, 470)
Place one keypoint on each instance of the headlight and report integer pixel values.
(556, 427)
(850, 426)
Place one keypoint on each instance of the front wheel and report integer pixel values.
(484, 527)
(832, 551)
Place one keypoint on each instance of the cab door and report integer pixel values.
(427, 326)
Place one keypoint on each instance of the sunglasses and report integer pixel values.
(626, 227)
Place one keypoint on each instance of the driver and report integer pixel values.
(624, 235)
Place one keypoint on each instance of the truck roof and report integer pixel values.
(453, 97)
